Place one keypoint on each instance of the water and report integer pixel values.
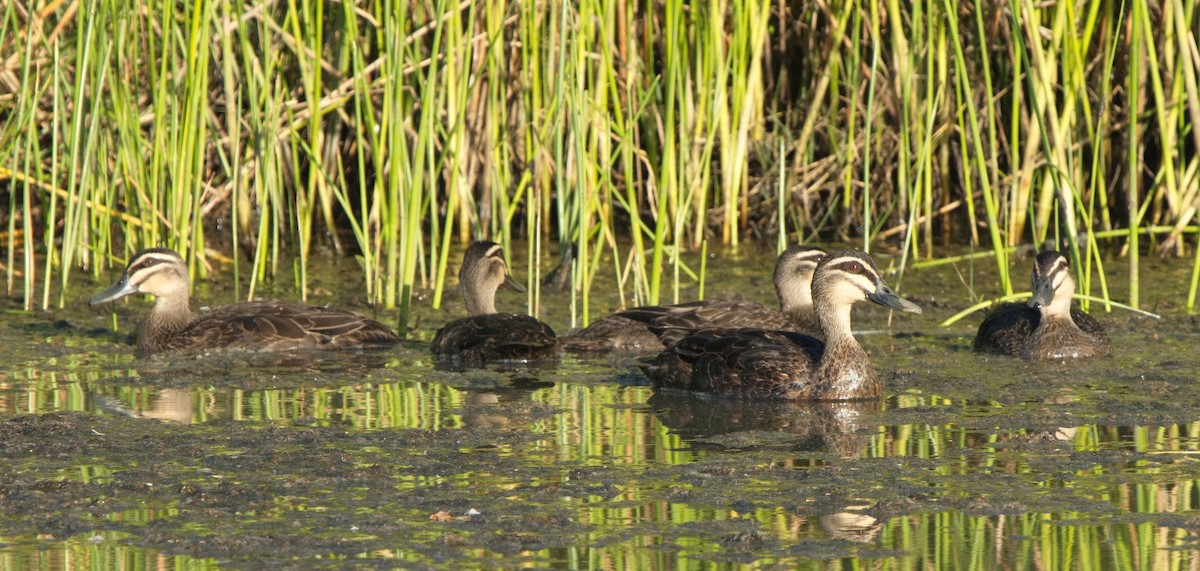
(380, 459)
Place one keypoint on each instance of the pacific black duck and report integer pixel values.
(630, 330)
(1047, 327)
(757, 363)
(261, 325)
(486, 335)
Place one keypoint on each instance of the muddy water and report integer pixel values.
(381, 460)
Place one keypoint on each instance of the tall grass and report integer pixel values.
(394, 131)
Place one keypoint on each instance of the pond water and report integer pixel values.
(380, 459)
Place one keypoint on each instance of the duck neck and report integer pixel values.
(480, 301)
(170, 315)
(796, 299)
(845, 371)
(1060, 304)
(835, 324)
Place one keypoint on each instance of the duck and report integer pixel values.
(486, 335)
(631, 329)
(256, 325)
(1047, 327)
(755, 363)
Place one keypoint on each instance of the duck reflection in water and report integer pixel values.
(851, 525)
(507, 405)
(170, 404)
(843, 428)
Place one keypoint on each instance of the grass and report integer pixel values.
(395, 131)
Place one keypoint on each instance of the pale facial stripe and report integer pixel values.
(810, 256)
(1056, 274)
(148, 264)
(159, 257)
(865, 277)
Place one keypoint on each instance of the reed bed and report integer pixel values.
(395, 131)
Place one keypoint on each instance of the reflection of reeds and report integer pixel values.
(394, 132)
(937, 493)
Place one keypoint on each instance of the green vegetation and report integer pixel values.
(393, 131)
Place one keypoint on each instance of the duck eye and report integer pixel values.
(856, 267)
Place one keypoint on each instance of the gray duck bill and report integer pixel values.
(883, 295)
(513, 284)
(114, 292)
(1043, 295)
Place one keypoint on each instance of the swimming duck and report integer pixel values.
(262, 325)
(630, 330)
(757, 363)
(487, 335)
(1047, 327)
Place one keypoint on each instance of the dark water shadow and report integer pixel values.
(841, 428)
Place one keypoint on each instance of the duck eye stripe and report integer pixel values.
(847, 265)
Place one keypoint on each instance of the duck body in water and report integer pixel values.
(630, 330)
(486, 335)
(1047, 327)
(784, 365)
(257, 325)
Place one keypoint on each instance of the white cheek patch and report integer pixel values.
(852, 289)
(154, 281)
(498, 271)
(1059, 278)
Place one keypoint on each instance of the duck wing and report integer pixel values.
(1005, 328)
(613, 333)
(1090, 326)
(710, 314)
(277, 326)
(746, 363)
(496, 337)
(673, 322)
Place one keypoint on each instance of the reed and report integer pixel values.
(396, 131)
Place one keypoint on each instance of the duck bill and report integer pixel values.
(114, 292)
(883, 295)
(512, 284)
(1043, 295)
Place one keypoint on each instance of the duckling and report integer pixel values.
(487, 335)
(630, 330)
(261, 325)
(782, 365)
(1047, 327)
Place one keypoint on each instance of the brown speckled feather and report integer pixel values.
(266, 325)
(757, 363)
(496, 337)
(747, 363)
(630, 330)
(1058, 338)
(613, 333)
